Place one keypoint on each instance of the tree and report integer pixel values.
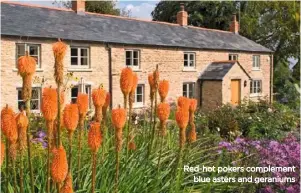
(104, 7)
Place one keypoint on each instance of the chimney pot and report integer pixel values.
(234, 26)
(78, 6)
(182, 16)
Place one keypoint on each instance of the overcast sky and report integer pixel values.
(139, 9)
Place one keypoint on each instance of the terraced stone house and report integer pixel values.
(213, 66)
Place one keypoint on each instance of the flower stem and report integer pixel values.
(117, 171)
(27, 108)
(21, 171)
(93, 170)
(14, 173)
(7, 164)
(81, 124)
(70, 152)
(129, 124)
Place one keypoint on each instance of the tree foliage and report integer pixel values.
(104, 7)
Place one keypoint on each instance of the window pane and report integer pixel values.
(128, 62)
(73, 100)
(191, 63)
(135, 54)
(33, 50)
(19, 94)
(21, 49)
(139, 98)
(74, 52)
(84, 52)
(73, 61)
(35, 94)
(74, 91)
(139, 90)
(185, 56)
(84, 61)
(190, 86)
(185, 63)
(135, 62)
(34, 105)
(128, 54)
(191, 56)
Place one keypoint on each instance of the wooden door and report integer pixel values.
(235, 92)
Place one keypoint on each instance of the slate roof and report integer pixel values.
(217, 70)
(29, 21)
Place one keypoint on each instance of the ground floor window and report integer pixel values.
(139, 95)
(77, 88)
(35, 102)
(255, 86)
(188, 89)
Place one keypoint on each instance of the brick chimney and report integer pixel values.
(78, 6)
(182, 16)
(234, 26)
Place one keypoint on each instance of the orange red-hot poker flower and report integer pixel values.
(107, 101)
(83, 103)
(182, 117)
(59, 165)
(184, 102)
(71, 117)
(163, 89)
(156, 77)
(119, 117)
(2, 153)
(193, 105)
(22, 124)
(135, 83)
(67, 187)
(163, 111)
(192, 134)
(151, 82)
(8, 124)
(59, 50)
(94, 136)
(99, 97)
(126, 80)
(26, 65)
(49, 104)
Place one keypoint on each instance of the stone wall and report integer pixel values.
(212, 94)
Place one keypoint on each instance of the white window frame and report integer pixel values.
(26, 48)
(187, 89)
(139, 104)
(131, 65)
(232, 56)
(39, 99)
(89, 92)
(79, 66)
(255, 85)
(188, 60)
(256, 62)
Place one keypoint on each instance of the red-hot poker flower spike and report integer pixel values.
(193, 105)
(26, 65)
(182, 117)
(71, 117)
(22, 124)
(94, 136)
(151, 82)
(83, 103)
(8, 124)
(2, 153)
(67, 187)
(135, 83)
(163, 89)
(59, 50)
(118, 117)
(184, 102)
(126, 80)
(49, 104)
(99, 97)
(163, 111)
(59, 165)
(108, 100)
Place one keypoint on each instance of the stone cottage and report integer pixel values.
(213, 66)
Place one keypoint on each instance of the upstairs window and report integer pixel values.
(32, 49)
(189, 60)
(76, 89)
(132, 59)
(256, 62)
(188, 90)
(139, 96)
(255, 87)
(35, 102)
(79, 57)
(233, 57)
